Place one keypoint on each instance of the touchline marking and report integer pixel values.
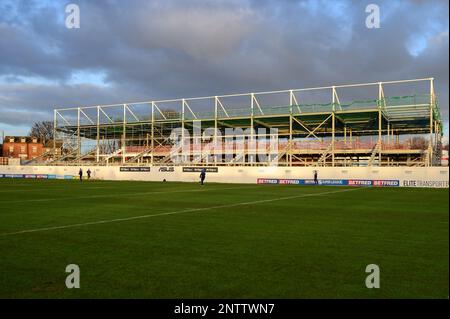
(58, 187)
(121, 195)
(177, 212)
(49, 189)
(61, 186)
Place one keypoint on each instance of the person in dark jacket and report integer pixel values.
(315, 178)
(80, 173)
(88, 172)
(202, 176)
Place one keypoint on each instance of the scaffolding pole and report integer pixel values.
(78, 134)
(333, 128)
(380, 119)
(98, 135)
(215, 130)
(124, 134)
(251, 158)
(289, 159)
(333, 125)
(152, 133)
(54, 133)
(430, 157)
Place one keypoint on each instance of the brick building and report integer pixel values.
(23, 147)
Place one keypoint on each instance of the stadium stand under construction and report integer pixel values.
(394, 123)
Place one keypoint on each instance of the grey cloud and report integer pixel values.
(166, 49)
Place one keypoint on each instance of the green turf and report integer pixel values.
(298, 247)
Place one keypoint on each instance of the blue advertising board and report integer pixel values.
(330, 182)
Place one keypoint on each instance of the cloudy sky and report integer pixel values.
(143, 50)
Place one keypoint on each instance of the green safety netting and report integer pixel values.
(419, 100)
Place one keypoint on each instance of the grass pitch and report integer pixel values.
(181, 240)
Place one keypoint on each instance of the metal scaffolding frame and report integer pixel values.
(316, 127)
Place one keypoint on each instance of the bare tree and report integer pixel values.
(43, 130)
(419, 143)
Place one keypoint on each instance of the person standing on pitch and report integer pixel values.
(202, 175)
(88, 172)
(80, 172)
(315, 178)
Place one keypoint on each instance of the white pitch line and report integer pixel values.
(57, 187)
(125, 194)
(46, 189)
(61, 187)
(177, 212)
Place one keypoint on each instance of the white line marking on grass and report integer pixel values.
(122, 194)
(129, 194)
(48, 189)
(191, 210)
